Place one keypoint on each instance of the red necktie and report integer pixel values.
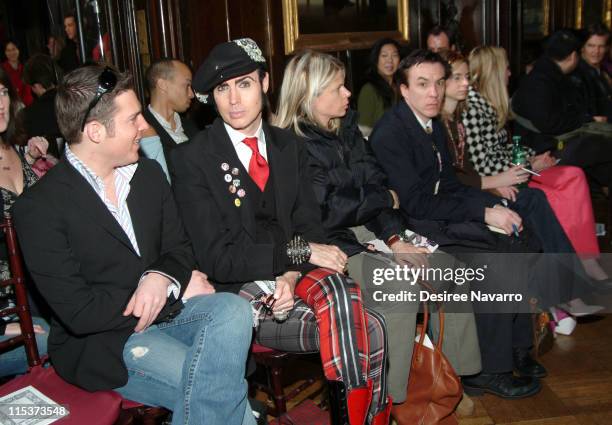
(258, 167)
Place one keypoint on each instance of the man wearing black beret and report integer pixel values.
(245, 198)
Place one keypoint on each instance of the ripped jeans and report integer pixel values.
(194, 364)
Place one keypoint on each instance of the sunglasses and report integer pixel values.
(106, 83)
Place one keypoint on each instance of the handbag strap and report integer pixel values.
(426, 318)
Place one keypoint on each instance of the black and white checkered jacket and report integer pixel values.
(488, 149)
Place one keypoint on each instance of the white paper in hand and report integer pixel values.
(268, 286)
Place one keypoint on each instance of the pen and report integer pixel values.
(515, 230)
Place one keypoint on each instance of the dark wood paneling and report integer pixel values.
(203, 24)
(563, 14)
(470, 23)
(206, 24)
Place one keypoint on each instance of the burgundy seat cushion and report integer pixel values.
(97, 408)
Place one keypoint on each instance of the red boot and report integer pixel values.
(382, 417)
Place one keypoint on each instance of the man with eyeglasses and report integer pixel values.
(104, 243)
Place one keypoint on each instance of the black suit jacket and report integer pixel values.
(167, 141)
(594, 89)
(223, 234)
(86, 268)
(405, 152)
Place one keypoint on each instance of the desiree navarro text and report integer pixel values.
(407, 296)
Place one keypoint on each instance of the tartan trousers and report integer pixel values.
(329, 317)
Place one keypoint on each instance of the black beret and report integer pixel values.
(561, 44)
(226, 61)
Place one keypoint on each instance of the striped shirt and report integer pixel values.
(121, 212)
(123, 176)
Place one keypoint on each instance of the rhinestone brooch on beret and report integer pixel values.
(251, 48)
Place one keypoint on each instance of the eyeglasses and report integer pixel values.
(106, 83)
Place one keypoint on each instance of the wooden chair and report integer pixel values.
(274, 361)
(98, 408)
(22, 308)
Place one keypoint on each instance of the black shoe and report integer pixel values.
(525, 365)
(602, 286)
(504, 385)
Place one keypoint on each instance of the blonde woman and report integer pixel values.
(485, 118)
(357, 206)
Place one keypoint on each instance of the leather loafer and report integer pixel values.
(504, 385)
(525, 365)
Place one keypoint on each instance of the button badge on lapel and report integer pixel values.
(234, 182)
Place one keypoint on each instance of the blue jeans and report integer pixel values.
(15, 362)
(195, 364)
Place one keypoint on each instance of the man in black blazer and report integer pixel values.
(103, 241)
(410, 144)
(244, 193)
(169, 84)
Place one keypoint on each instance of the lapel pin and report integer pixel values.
(235, 171)
(236, 182)
(228, 178)
(241, 193)
(225, 166)
(232, 189)
(237, 202)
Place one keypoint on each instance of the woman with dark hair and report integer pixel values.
(15, 176)
(14, 68)
(378, 94)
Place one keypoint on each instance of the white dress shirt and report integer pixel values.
(242, 150)
(177, 134)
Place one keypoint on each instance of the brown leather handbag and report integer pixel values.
(434, 389)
